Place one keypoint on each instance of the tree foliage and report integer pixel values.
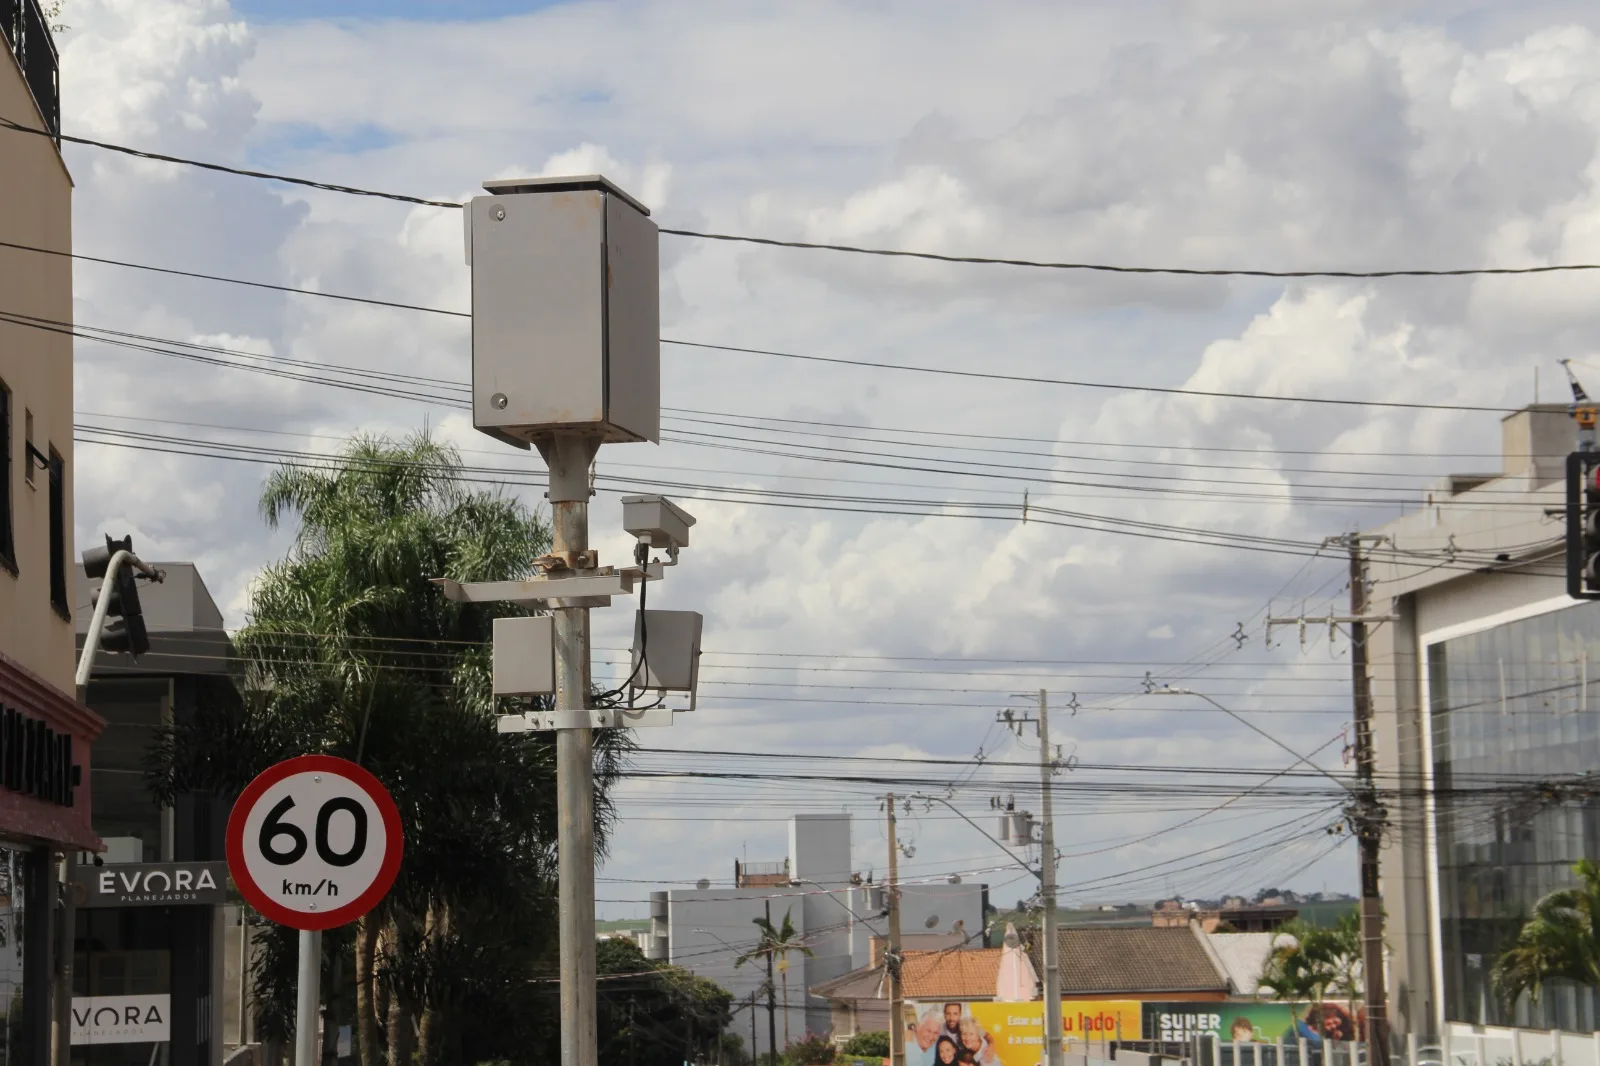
(777, 943)
(351, 651)
(869, 1045)
(1558, 942)
(1309, 963)
(654, 1014)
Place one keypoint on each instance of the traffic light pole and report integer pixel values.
(61, 1008)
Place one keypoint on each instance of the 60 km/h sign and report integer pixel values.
(314, 842)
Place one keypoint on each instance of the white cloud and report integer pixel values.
(1194, 134)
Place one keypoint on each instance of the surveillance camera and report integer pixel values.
(656, 521)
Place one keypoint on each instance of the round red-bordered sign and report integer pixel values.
(314, 842)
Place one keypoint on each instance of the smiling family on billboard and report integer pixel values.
(952, 1033)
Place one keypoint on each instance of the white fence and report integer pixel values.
(1465, 1045)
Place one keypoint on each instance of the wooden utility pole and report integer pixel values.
(1370, 816)
(893, 956)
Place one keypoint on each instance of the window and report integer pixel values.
(8, 546)
(58, 536)
(28, 448)
(1509, 703)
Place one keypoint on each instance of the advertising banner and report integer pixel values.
(945, 1033)
(1258, 1023)
(120, 1019)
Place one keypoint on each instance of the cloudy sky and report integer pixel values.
(1344, 134)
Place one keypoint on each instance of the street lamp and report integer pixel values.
(1168, 690)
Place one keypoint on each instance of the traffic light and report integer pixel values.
(1583, 525)
(124, 628)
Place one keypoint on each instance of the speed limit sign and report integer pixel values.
(314, 842)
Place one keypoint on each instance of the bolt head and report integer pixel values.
(499, 400)
(317, 778)
(313, 906)
(499, 214)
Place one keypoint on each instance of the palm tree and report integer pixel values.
(1558, 943)
(776, 943)
(351, 651)
(1308, 962)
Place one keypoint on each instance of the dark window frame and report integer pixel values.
(8, 535)
(58, 535)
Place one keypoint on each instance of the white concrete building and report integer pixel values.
(835, 913)
(1484, 680)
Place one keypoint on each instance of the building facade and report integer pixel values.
(836, 914)
(157, 941)
(45, 733)
(1483, 719)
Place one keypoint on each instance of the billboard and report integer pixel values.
(950, 1032)
(1258, 1022)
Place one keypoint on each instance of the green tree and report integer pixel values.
(869, 1045)
(1309, 963)
(352, 651)
(777, 943)
(1558, 942)
(655, 1014)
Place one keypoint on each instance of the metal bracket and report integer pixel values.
(597, 718)
(570, 590)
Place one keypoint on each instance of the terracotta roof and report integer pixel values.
(966, 974)
(1107, 960)
(961, 974)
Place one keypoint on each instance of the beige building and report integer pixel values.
(1486, 740)
(45, 733)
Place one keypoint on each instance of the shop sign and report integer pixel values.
(152, 884)
(121, 1019)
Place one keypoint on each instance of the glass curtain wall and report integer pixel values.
(1511, 706)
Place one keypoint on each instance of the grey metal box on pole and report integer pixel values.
(565, 311)
(657, 521)
(668, 642)
(524, 656)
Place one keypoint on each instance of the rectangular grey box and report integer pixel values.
(672, 650)
(565, 311)
(657, 517)
(524, 656)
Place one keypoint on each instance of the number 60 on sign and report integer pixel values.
(314, 842)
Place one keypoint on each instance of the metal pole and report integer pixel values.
(892, 958)
(67, 912)
(66, 947)
(568, 458)
(1369, 827)
(1049, 948)
(772, 999)
(309, 999)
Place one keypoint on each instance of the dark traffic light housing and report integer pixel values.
(124, 629)
(1583, 525)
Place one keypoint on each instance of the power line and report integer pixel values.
(840, 361)
(853, 249)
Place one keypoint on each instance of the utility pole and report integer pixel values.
(1049, 946)
(568, 457)
(772, 999)
(893, 956)
(1370, 816)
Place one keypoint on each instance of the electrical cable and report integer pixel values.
(820, 246)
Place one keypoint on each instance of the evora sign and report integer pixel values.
(314, 842)
(152, 884)
(121, 1019)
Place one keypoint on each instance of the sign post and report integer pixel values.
(313, 843)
